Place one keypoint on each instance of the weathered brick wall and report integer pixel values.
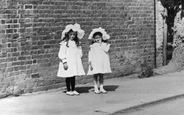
(30, 35)
(159, 33)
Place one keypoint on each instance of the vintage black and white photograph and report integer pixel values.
(91, 57)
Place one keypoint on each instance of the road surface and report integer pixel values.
(174, 107)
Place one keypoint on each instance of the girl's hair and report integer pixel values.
(95, 34)
(66, 38)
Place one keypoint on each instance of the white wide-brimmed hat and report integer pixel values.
(105, 36)
(76, 27)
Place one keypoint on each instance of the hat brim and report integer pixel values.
(76, 28)
(105, 36)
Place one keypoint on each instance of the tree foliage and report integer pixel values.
(172, 6)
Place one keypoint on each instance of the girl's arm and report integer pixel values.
(89, 59)
(62, 52)
(89, 55)
(105, 46)
(80, 51)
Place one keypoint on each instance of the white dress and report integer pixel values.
(73, 55)
(99, 58)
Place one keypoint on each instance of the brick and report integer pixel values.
(9, 21)
(41, 43)
(15, 21)
(3, 21)
(28, 62)
(16, 54)
(16, 63)
(15, 68)
(22, 58)
(22, 68)
(46, 37)
(15, 36)
(9, 31)
(35, 75)
(28, 6)
(46, 46)
(34, 61)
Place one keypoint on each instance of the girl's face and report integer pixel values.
(98, 38)
(72, 35)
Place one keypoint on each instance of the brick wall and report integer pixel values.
(30, 35)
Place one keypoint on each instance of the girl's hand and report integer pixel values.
(91, 66)
(65, 66)
(100, 41)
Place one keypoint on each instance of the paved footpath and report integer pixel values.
(122, 94)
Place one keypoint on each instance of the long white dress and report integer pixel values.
(99, 58)
(73, 55)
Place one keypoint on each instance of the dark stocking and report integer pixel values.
(67, 80)
(73, 83)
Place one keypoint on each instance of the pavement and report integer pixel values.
(123, 94)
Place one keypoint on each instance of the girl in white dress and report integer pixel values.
(98, 56)
(70, 54)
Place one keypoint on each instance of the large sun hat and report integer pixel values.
(76, 27)
(105, 36)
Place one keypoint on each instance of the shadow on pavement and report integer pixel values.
(87, 89)
(111, 87)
